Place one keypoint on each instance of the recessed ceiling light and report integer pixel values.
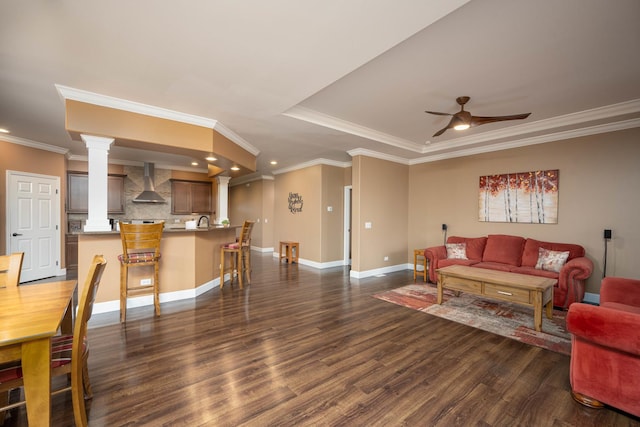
(235, 168)
(273, 162)
(210, 159)
(3, 130)
(194, 163)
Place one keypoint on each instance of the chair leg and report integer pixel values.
(239, 265)
(156, 289)
(248, 266)
(123, 292)
(86, 384)
(4, 401)
(77, 397)
(221, 268)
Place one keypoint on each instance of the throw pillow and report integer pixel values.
(456, 250)
(551, 260)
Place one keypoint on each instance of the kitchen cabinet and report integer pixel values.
(191, 197)
(71, 252)
(78, 193)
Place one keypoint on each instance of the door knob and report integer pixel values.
(16, 234)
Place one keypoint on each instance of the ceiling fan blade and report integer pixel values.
(441, 131)
(437, 113)
(479, 120)
(449, 126)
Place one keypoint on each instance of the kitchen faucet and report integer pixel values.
(205, 217)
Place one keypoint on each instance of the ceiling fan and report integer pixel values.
(463, 119)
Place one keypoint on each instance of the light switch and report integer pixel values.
(367, 225)
(329, 208)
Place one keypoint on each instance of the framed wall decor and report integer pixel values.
(524, 197)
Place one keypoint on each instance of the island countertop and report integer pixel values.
(167, 229)
(190, 264)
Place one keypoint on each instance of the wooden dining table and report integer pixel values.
(29, 316)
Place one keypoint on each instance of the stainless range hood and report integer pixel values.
(149, 194)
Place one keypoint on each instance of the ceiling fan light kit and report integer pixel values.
(464, 120)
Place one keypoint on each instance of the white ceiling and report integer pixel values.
(307, 80)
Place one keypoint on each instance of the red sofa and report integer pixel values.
(518, 255)
(605, 350)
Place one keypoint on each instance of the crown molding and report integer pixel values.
(331, 122)
(311, 163)
(551, 137)
(80, 95)
(228, 133)
(572, 119)
(378, 155)
(34, 144)
(594, 114)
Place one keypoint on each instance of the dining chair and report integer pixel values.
(140, 248)
(69, 353)
(240, 252)
(10, 267)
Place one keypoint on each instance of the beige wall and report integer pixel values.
(380, 196)
(599, 178)
(253, 201)
(268, 219)
(25, 159)
(318, 231)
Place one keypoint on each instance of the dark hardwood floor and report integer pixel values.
(308, 347)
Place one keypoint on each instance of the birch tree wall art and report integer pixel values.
(526, 197)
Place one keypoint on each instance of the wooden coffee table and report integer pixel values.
(532, 291)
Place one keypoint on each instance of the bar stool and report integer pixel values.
(290, 252)
(240, 248)
(140, 247)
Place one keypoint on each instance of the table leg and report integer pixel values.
(440, 290)
(537, 311)
(415, 265)
(549, 308)
(36, 368)
(66, 326)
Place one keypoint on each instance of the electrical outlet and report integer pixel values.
(386, 258)
(145, 282)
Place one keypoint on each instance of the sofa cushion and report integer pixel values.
(531, 246)
(456, 250)
(531, 271)
(551, 260)
(475, 245)
(494, 266)
(454, 261)
(504, 249)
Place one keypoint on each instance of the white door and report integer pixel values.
(33, 209)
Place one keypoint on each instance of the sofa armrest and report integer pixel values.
(579, 268)
(572, 277)
(621, 290)
(605, 326)
(432, 255)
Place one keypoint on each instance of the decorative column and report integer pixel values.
(98, 154)
(222, 203)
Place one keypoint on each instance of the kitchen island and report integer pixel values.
(190, 264)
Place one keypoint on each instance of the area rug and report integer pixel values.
(502, 318)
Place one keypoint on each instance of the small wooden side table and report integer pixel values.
(291, 251)
(416, 254)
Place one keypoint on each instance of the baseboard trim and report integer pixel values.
(590, 298)
(145, 300)
(380, 271)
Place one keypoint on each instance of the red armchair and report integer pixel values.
(605, 353)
